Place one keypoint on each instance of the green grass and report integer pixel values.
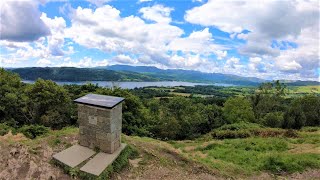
(248, 156)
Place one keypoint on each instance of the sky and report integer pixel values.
(267, 39)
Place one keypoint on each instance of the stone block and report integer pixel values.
(81, 130)
(104, 113)
(74, 155)
(83, 141)
(100, 127)
(106, 146)
(101, 161)
(102, 135)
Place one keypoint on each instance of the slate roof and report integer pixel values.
(99, 100)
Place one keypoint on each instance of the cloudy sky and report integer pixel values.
(266, 39)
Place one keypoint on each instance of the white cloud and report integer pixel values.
(232, 62)
(198, 42)
(266, 22)
(98, 2)
(254, 63)
(20, 21)
(144, 1)
(157, 13)
(124, 59)
(105, 30)
(83, 63)
(57, 26)
(44, 62)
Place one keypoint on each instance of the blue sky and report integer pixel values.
(265, 39)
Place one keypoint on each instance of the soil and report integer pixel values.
(158, 160)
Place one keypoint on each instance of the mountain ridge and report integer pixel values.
(140, 73)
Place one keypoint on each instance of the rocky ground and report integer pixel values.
(22, 158)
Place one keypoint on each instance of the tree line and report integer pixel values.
(48, 104)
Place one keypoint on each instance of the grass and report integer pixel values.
(252, 155)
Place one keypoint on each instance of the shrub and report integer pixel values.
(291, 133)
(273, 119)
(239, 126)
(229, 134)
(4, 129)
(32, 131)
(244, 130)
(267, 132)
(238, 109)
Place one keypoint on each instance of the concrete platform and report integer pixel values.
(74, 155)
(101, 161)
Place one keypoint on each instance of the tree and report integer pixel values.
(11, 98)
(238, 109)
(294, 118)
(310, 105)
(273, 119)
(48, 104)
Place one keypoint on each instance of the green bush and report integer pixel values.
(239, 126)
(244, 130)
(273, 119)
(238, 109)
(291, 133)
(32, 131)
(4, 129)
(229, 134)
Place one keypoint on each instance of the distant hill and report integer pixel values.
(303, 83)
(79, 74)
(140, 73)
(187, 75)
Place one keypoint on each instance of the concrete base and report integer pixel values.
(74, 155)
(101, 161)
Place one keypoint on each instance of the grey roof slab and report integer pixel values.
(99, 100)
(74, 155)
(101, 161)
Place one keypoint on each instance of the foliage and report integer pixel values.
(240, 126)
(273, 119)
(245, 130)
(4, 129)
(48, 104)
(155, 113)
(294, 117)
(32, 131)
(11, 98)
(238, 109)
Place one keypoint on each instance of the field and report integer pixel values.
(216, 91)
(304, 90)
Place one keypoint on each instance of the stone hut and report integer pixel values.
(100, 122)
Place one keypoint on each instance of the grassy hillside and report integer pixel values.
(257, 157)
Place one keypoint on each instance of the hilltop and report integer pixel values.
(26, 158)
